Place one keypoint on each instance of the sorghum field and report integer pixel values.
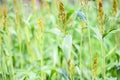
(59, 39)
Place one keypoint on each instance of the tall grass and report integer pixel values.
(59, 40)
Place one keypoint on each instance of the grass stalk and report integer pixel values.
(90, 46)
(103, 59)
(81, 52)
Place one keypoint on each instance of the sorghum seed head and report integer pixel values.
(114, 10)
(62, 13)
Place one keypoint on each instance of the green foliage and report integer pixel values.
(32, 50)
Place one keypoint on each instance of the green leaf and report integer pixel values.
(67, 45)
(70, 13)
(111, 51)
(1, 31)
(110, 31)
(118, 73)
(97, 35)
(63, 73)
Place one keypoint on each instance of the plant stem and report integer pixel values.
(103, 59)
(90, 49)
(81, 45)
